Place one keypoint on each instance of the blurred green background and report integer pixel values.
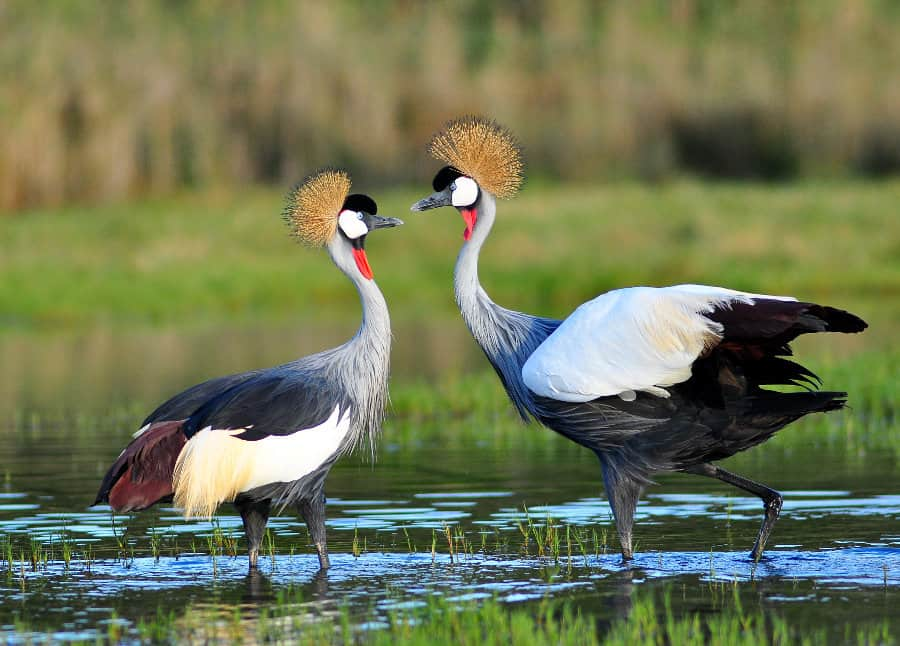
(107, 100)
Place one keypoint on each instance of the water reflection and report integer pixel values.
(95, 368)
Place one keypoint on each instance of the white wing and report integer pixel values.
(628, 340)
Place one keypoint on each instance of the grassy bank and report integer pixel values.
(214, 257)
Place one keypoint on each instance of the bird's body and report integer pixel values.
(649, 379)
(266, 438)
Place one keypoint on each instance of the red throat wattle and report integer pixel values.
(362, 263)
(469, 216)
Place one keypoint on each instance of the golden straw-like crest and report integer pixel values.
(482, 149)
(314, 205)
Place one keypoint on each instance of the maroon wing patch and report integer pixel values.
(142, 475)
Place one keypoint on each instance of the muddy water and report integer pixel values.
(834, 556)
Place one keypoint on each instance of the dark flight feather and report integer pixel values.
(776, 323)
(182, 405)
(274, 403)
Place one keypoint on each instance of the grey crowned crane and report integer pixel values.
(267, 438)
(649, 379)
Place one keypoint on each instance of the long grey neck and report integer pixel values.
(473, 301)
(507, 338)
(361, 366)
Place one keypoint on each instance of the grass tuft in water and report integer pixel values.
(448, 536)
(122, 546)
(270, 545)
(65, 545)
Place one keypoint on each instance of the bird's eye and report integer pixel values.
(452, 187)
(359, 215)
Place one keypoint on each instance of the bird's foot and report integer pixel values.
(772, 508)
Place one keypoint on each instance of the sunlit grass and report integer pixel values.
(213, 257)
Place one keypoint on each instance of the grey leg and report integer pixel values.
(313, 512)
(772, 500)
(255, 514)
(623, 494)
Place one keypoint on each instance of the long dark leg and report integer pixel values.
(623, 493)
(313, 512)
(255, 514)
(772, 500)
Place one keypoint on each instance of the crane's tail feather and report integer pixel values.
(770, 411)
(214, 467)
(772, 370)
(142, 475)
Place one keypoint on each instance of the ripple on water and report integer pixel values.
(467, 495)
(499, 575)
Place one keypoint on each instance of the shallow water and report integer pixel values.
(835, 552)
(834, 555)
(841, 582)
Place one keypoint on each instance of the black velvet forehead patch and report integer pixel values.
(360, 202)
(445, 177)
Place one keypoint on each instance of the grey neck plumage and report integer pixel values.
(507, 337)
(359, 368)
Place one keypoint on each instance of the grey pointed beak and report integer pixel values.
(433, 201)
(379, 222)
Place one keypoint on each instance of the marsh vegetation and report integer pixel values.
(146, 98)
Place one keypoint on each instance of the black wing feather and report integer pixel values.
(271, 403)
(186, 402)
(777, 323)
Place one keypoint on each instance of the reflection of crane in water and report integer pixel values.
(650, 379)
(269, 437)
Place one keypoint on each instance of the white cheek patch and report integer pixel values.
(466, 192)
(351, 225)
